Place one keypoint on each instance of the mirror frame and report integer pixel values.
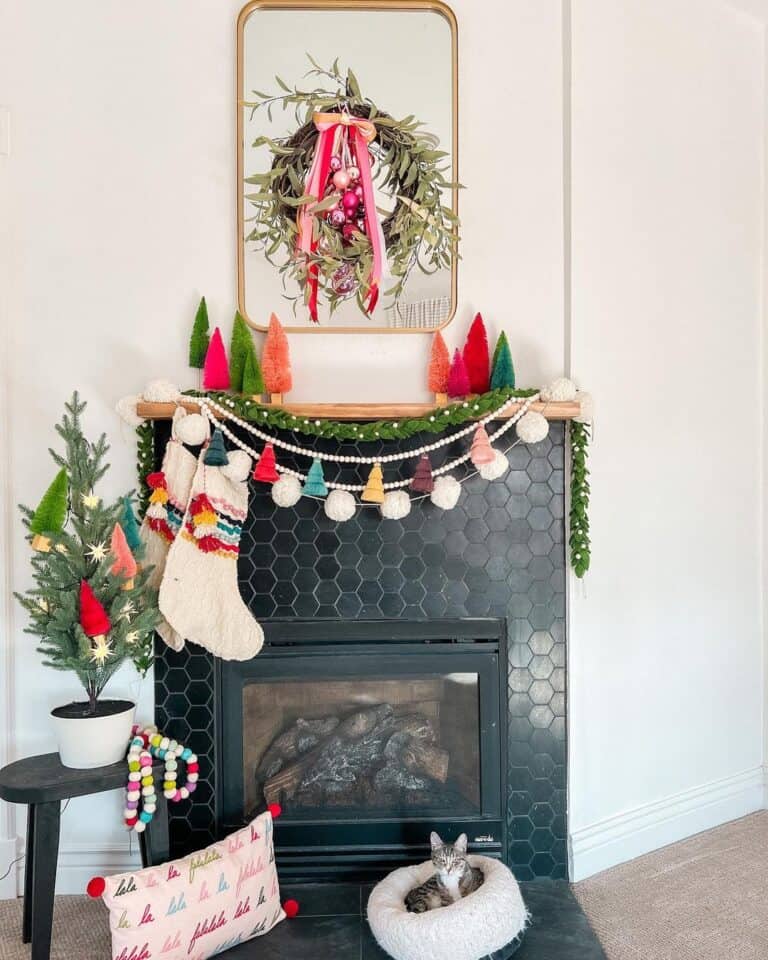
(436, 6)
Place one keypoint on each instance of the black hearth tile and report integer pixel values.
(369, 949)
(559, 930)
(334, 938)
(324, 899)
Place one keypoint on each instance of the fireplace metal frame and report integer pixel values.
(353, 849)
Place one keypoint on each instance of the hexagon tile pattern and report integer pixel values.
(499, 553)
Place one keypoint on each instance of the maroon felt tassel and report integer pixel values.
(422, 479)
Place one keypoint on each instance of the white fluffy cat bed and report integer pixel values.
(491, 918)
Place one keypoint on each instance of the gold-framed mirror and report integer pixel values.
(347, 165)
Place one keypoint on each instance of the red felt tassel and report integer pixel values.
(265, 466)
(157, 481)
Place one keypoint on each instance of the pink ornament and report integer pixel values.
(350, 200)
(337, 218)
(335, 164)
(359, 191)
(354, 173)
(350, 215)
(343, 280)
(341, 179)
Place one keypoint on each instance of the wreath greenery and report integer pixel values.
(420, 231)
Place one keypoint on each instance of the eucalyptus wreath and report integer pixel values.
(420, 231)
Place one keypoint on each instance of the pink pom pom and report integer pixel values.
(96, 887)
(275, 809)
(291, 908)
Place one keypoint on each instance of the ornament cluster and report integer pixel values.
(347, 216)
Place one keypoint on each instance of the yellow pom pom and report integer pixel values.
(169, 785)
(134, 765)
(155, 741)
(147, 781)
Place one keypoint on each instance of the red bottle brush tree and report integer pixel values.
(458, 378)
(439, 365)
(93, 616)
(276, 360)
(216, 368)
(476, 358)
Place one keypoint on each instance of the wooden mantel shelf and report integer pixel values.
(361, 411)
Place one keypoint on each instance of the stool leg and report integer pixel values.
(26, 924)
(154, 842)
(45, 857)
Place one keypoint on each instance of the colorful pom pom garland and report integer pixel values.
(140, 795)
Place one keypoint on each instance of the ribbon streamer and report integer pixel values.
(363, 132)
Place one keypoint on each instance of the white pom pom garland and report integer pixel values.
(339, 505)
(396, 505)
(192, 429)
(559, 390)
(497, 468)
(161, 391)
(532, 428)
(286, 491)
(239, 466)
(446, 492)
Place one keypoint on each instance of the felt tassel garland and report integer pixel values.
(216, 454)
(422, 479)
(481, 451)
(374, 488)
(265, 466)
(314, 485)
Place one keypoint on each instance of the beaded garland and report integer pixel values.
(140, 797)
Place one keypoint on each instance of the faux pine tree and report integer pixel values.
(74, 579)
(198, 342)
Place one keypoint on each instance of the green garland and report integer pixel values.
(434, 421)
(579, 516)
(145, 462)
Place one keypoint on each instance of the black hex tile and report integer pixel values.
(500, 552)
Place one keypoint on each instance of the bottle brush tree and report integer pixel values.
(503, 374)
(198, 341)
(439, 365)
(239, 347)
(476, 356)
(276, 359)
(88, 619)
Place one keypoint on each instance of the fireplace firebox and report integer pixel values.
(369, 734)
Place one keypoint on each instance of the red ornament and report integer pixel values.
(93, 617)
(96, 887)
(349, 230)
(291, 908)
(458, 378)
(265, 466)
(476, 357)
(275, 809)
(216, 367)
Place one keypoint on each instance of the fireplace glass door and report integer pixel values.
(374, 746)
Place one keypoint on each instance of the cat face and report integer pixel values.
(450, 859)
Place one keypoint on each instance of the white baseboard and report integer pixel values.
(627, 835)
(8, 854)
(79, 862)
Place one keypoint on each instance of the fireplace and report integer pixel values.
(370, 734)
(498, 556)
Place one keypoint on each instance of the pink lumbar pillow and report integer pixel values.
(198, 906)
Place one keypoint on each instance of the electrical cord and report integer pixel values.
(13, 863)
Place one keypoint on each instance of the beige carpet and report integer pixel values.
(703, 899)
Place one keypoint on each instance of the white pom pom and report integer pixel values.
(445, 493)
(340, 505)
(140, 826)
(161, 391)
(192, 429)
(397, 504)
(532, 427)
(496, 468)
(239, 466)
(587, 412)
(286, 491)
(126, 410)
(560, 390)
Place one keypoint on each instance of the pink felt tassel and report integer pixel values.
(481, 451)
(216, 367)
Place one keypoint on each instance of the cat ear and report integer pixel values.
(435, 841)
(461, 844)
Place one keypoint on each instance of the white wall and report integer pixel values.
(668, 117)
(120, 212)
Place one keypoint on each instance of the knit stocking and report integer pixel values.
(168, 502)
(199, 595)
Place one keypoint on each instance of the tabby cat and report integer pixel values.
(455, 878)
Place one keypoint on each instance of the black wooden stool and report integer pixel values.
(42, 783)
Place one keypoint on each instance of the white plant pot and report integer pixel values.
(93, 740)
